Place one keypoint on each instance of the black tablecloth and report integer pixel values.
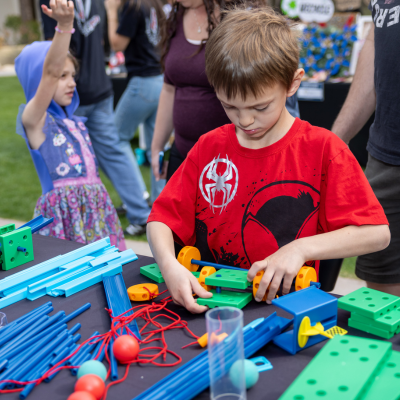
(270, 385)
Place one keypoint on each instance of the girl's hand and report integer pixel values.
(284, 265)
(181, 285)
(112, 5)
(62, 11)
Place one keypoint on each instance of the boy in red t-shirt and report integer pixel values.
(268, 192)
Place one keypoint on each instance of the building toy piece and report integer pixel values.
(228, 278)
(143, 292)
(226, 298)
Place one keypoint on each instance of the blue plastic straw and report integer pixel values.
(74, 371)
(74, 329)
(23, 325)
(96, 349)
(46, 335)
(75, 313)
(71, 350)
(20, 319)
(60, 356)
(113, 361)
(82, 350)
(3, 365)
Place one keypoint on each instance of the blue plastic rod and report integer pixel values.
(61, 355)
(19, 349)
(74, 329)
(71, 350)
(87, 350)
(21, 319)
(113, 361)
(37, 223)
(74, 371)
(75, 313)
(82, 350)
(216, 266)
(27, 323)
(3, 365)
(96, 350)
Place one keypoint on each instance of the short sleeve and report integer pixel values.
(176, 205)
(129, 21)
(347, 197)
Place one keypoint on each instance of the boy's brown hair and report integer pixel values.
(250, 50)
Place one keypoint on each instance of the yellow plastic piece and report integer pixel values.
(186, 255)
(306, 330)
(139, 293)
(304, 277)
(256, 284)
(336, 330)
(206, 271)
(203, 340)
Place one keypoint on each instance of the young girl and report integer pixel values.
(73, 193)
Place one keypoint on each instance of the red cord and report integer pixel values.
(152, 331)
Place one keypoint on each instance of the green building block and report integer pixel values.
(389, 322)
(369, 328)
(387, 384)
(7, 228)
(229, 278)
(343, 369)
(369, 302)
(10, 257)
(226, 298)
(153, 272)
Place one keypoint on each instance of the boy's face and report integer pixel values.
(66, 85)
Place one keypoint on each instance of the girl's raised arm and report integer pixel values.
(34, 115)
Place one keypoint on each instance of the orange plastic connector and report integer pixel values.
(186, 255)
(256, 284)
(304, 277)
(143, 292)
(206, 271)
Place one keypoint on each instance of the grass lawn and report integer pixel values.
(19, 184)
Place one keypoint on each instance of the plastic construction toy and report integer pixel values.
(16, 246)
(153, 272)
(354, 365)
(143, 292)
(314, 312)
(65, 274)
(215, 276)
(373, 311)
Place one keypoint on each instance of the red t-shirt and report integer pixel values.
(239, 205)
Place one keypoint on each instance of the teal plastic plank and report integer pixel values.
(153, 272)
(229, 279)
(369, 302)
(387, 384)
(343, 369)
(389, 322)
(370, 329)
(226, 298)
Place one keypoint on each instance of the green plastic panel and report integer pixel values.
(343, 369)
(10, 257)
(229, 278)
(369, 302)
(226, 298)
(7, 228)
(153, 272)
(370, 329)
(389, 322)
(387, 383)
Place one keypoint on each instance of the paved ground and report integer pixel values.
(343, 285)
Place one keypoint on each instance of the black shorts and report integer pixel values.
(384, 266)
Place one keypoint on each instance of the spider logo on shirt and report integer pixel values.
(224, 184)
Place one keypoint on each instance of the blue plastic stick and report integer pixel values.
(75, 313)
(216, 266)
(23, 325)
(74, 371)
(113, 361)
(3, 365)
(62, 354)
(21, 249)
(37, 223)
(86, 350)
(74, 329)
(96, 350)
(82, 350)
(71, 350)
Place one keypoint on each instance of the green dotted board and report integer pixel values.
(369, 302)
(342, 370)
(229, 278)
(369, 328)
(389, 322)
(153, 272)
(226, 298)
(387, 384)
(10, 257)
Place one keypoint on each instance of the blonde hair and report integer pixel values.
(251, 49)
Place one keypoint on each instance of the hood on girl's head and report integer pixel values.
(29, 69)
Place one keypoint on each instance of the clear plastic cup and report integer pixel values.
(3, 320)
(225, 350)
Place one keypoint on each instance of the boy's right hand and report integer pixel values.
(181, 285)
(62, 11)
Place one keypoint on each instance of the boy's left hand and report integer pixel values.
(283, 264)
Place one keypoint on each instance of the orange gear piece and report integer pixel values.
(206, 271)
(143, 292)
(256, 284)
(304, 277)
(186, 255)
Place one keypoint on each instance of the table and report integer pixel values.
(270, 385)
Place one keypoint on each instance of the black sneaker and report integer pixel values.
(121, 210)
(135, 229)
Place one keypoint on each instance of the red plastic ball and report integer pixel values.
(126, 349)
(92, 384)
(81, 396)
